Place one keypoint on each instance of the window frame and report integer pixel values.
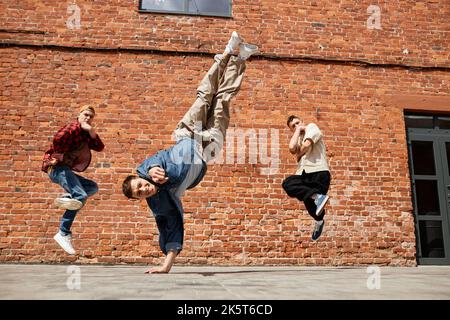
(205, 14)
(434, 118)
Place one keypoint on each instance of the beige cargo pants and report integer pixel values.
(208, 118)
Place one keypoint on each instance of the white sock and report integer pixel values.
(319, 223)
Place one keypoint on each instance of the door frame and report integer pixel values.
(439, 137)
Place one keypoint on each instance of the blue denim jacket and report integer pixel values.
(166, 207)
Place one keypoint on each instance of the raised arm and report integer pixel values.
(154, 168)
(171, 234)
(303, 149)
(63, 139)
(312, 135)
(95, 143)
(293, 144)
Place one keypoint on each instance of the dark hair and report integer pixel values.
(126, 187)
(290, 119)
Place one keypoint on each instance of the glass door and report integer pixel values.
(429, 154)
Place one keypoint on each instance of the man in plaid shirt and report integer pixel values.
(71, 151)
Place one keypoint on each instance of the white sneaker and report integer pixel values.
(233, 43)
(246, 50)
(65, 242)
(68, 203)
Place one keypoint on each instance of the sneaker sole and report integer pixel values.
(68, 204)
(248, 50)
(322, 206)
(59, 243)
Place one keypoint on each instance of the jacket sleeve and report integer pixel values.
(171, 232)
(96, 144)
(155, 161)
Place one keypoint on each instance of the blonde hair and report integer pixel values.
(87, 107)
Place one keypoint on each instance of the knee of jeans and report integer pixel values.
(82, 198)
(82, 195)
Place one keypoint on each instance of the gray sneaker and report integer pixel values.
(318, 228)
(246, 50)
(320, 201)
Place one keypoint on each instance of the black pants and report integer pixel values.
(305, 185)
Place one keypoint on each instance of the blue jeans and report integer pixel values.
(79, 188)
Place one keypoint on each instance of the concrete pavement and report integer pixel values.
(48, 282)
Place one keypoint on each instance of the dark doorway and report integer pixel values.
(429, 158)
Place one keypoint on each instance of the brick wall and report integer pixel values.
(326, 29)
(237, 215)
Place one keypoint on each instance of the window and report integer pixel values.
(444, 122)
(419, 121)
(427, 121)
(220, 8)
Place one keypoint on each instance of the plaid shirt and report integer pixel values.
(71, 146)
